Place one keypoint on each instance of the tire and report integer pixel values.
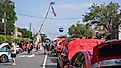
(3, 58)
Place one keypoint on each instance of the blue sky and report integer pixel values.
(63, 8)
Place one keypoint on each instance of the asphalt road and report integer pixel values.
(32, 61)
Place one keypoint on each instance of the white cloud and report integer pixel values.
(74, 6)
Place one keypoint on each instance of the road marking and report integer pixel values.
(45, 60)
(23, 56)
(30, 56)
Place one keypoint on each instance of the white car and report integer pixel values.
(5, 54)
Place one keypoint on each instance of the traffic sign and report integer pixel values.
(61, 29)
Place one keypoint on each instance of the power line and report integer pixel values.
(47, 17)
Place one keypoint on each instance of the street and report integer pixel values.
(31, 61)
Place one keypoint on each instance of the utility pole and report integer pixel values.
(30, 29)
(30, 26)
(4, 16)
(5, 21)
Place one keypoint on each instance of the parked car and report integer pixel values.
(63, 58)
(104, 55)
(80, 52)
(5, 54)
(59, 46)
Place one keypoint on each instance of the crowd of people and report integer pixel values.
(27, 47)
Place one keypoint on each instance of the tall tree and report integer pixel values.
(80, 30)
(104, 15)
(25, 33)
(7, 11)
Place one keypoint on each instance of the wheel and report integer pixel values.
(3, 58)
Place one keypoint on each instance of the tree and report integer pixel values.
(7, 7)
(80, 30)
(104, 15)
(25, 33)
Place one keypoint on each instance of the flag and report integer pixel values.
(53, 11)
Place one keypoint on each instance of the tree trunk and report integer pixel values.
(114, 34)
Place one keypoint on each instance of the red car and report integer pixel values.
(105, 55)
(59, 46)
(63, 58)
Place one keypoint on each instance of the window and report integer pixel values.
(5, 49)
(80, 60)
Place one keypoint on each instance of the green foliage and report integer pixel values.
(104, 15)
(25, 33)
(7, 38)
(80, 30)
(1, 28)
(7, 7)
(21, 39)
(2, 38)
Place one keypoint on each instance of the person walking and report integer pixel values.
(28, 47)
(13, 54)
(47, 46)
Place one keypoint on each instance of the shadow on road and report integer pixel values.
(51, 66)
(54, 60)
(6, 64)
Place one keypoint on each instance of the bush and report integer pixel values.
(7, 38)
(2, 38)
(21, 39)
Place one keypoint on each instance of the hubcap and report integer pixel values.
(3, 59)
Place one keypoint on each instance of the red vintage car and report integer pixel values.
(63, 58)
(77, 49)
(59, 46)
(80, 52)
(105, 55)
